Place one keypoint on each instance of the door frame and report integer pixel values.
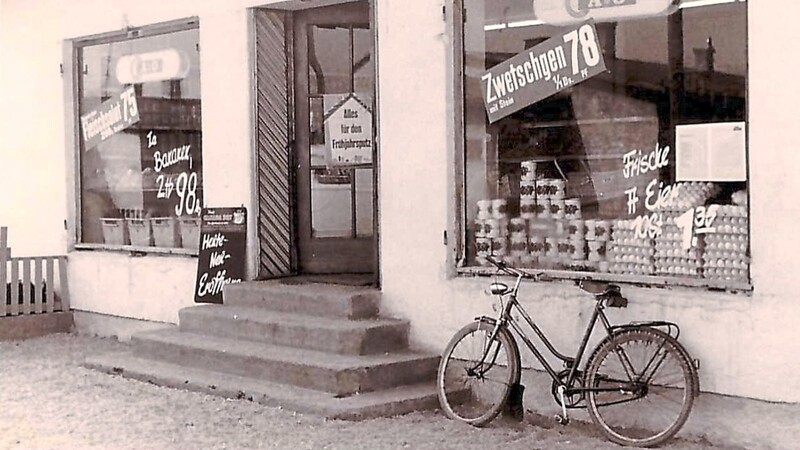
(287, 12)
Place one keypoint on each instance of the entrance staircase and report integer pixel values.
(314, 348)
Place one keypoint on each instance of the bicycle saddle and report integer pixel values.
(597, 288)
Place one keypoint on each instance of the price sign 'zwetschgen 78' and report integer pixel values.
(541, 71)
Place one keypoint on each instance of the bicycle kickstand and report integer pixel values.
(563, 418)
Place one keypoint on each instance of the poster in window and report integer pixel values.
(711, 152)
(348, 128)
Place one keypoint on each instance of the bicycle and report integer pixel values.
(638, 383)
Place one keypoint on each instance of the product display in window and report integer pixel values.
(690, 237)
(622, 171)
(141, 141)
(725, 256)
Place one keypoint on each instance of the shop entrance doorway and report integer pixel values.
(334, 139)
(314, 137)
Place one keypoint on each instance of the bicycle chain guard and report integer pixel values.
(572, 400)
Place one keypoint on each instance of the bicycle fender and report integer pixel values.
(492, 322)
(651, 326)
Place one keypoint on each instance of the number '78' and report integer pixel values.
(588, 42)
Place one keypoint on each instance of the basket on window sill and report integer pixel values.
(165, 233)
(140, 232)
(115, 231)
(190, 232)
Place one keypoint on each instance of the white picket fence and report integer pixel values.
(30, 282)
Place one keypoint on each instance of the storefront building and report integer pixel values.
(642, 142)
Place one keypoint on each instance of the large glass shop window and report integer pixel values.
(141, 157)
(638, 171)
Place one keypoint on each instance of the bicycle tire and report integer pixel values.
(476, 397)
(632, 413)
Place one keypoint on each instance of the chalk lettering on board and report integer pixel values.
(213, 241)
(218, 259)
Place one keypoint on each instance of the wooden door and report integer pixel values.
(335, 145)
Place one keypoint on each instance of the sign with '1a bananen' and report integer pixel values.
(543, 70)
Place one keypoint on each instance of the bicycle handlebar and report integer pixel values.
(501, 265)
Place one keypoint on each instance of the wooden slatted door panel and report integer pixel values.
(275, 229)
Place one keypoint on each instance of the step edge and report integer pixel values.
(300, 355)
(356, 407)
(259, 315)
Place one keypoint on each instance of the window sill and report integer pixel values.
(734, 287)
(136, 250)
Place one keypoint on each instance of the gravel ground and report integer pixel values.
(48, 401)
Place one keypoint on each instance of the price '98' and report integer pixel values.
(186, 189)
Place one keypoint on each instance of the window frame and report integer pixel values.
(459, 197)
(71, 69)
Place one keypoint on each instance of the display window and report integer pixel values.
(606, 139)
(140, 157)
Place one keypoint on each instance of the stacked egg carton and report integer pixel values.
(491, 230)
(629, 254)
(518, 254)
(521, 246)
(598, 233)
(671, 258)
(575, 233)
(547, 235)
(726, 249)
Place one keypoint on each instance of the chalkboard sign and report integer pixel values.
(223, 237)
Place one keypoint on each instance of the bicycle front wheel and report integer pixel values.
(642, 387)
(475, 374)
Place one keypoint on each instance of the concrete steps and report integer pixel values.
(323, 300)
(308, 347)
(341, 375)
(388, 402)
(317, 333)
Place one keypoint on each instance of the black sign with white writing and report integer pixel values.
(223, 239)
(541, 71)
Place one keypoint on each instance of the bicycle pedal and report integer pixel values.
(561, 420)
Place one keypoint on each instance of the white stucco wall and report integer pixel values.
(35, 162)
(745, 342)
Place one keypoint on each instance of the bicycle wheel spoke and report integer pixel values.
(653, 404)
(475, 374)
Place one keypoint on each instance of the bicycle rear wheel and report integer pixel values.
(650, 387)
(471, 388)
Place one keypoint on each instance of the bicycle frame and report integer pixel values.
(571, 363)
(505, 319)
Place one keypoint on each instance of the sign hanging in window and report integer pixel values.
(541, 71)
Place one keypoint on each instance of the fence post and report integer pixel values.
(26, 286)
(3, 260)
(14, 287)
(50, 294)
(62, 276)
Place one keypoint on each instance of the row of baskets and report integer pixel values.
(164, 232)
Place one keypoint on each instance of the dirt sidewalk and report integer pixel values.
(48, 401)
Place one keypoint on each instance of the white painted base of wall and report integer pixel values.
(121, 328)
(153, 287)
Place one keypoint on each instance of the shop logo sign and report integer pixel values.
(541, 71)
(568, 11)
(169, 64)
(111, 117)
(585, 6)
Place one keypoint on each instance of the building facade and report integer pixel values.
(646, 143)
